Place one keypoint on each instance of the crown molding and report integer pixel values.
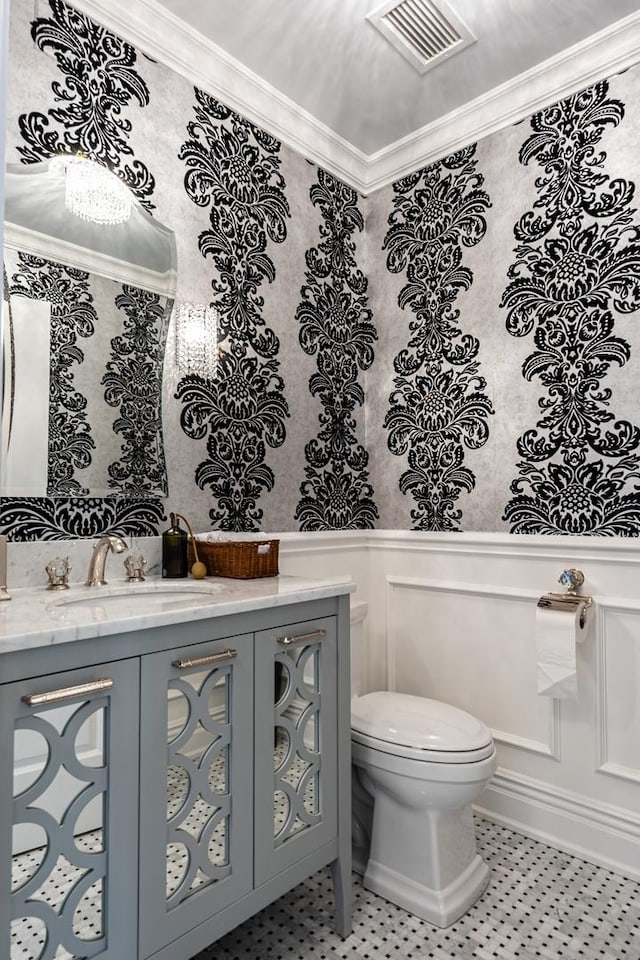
(163, 36)
(153, 29)
(603, 54)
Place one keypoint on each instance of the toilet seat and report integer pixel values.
(423, 756)
(419, 729)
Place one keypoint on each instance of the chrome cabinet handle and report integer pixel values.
(202, 661)
(303, 638)
(65, 693)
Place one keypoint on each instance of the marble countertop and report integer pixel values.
(36, 617)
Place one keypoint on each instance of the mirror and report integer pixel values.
(85, 312)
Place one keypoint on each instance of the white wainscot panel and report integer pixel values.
(472, 646)
(619, 689)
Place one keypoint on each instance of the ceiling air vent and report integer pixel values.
(425, 32)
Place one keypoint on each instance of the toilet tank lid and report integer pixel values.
(417, 722)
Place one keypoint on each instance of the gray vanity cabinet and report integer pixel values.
(164, 796)
(66, 813)
(196, 803)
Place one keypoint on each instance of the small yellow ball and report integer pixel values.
(198, 570)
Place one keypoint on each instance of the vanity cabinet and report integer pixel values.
(204, 777)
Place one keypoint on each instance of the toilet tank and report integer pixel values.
(358, 648)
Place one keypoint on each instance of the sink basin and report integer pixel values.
(143, 598)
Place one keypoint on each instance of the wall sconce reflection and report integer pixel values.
(92, 191)
(197, 339)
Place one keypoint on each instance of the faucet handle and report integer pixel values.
(134, 565)
(58, 571)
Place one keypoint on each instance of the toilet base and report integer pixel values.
(440, 907)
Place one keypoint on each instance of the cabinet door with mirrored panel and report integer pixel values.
(295, 743)
(69, 781)
(196, 803)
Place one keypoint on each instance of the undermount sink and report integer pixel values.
(138, 598)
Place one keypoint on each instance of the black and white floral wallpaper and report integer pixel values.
(98, 80)
(336, 328)
(576, 266)
(457, 352)
(439, 406)
(232, 169)
(513, 404)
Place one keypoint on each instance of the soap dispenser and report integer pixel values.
(174, 550)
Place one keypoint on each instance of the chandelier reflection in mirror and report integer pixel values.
(92, 191)
(197, 339)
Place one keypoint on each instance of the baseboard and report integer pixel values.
(599, 833)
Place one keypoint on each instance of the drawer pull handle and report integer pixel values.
(54, 696)
(302, 638)
(202, 661)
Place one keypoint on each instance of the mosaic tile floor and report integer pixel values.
(540, 905)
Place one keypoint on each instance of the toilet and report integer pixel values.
(418, 765)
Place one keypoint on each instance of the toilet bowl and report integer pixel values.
(418, 766)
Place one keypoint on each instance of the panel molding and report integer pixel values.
(512, 546)
(323, 541)
(606, 766)
(551, 748)
(582, 826)
(163, 36)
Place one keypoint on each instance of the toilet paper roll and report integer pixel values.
(557, 633)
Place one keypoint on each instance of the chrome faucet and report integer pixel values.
(4, 595)
(109, 543)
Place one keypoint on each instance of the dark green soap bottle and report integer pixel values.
(174, 550)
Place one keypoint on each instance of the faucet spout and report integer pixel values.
(110, 543)
(4, 594)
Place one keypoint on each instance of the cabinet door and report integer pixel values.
(196, 803)
(68, 784)
(295, 743)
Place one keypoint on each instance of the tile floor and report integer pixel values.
(540, 904)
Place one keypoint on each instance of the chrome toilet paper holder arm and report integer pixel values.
(572, 579)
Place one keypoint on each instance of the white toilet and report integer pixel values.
(418, 766)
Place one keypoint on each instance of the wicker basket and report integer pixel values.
(240, 559)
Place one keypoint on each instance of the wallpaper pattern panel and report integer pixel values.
(336, 327)
(577, 261)
(439, 406)
(233, 171)
(489, 254)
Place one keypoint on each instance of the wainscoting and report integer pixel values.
(452, 616)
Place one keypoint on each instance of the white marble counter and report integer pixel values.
(36, 617)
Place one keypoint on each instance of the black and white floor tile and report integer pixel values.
(540, 905)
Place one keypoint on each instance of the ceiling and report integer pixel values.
(326, 57)
(322, 78)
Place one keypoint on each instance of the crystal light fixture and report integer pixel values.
(92, 191)
(197, 339)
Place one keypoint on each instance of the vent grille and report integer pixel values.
(425, 32)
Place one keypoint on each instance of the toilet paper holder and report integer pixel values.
(572, 579)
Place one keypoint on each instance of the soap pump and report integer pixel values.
(174, 549)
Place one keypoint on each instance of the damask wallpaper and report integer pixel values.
(457, 352)
(505, 393)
